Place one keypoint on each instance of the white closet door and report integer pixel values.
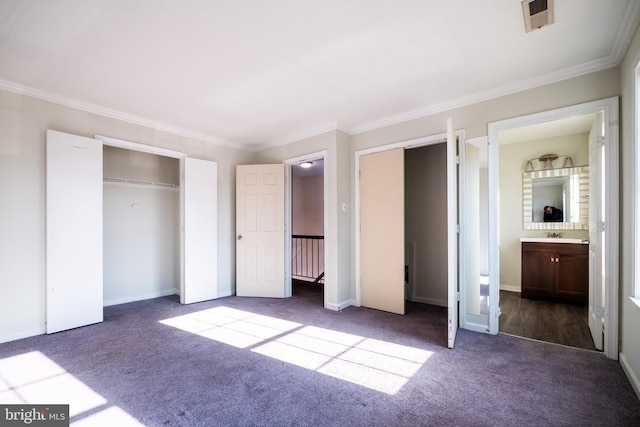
(199, 281)
(452, 233)
(73, 231)
(596, 231)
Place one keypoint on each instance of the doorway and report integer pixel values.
(385, 162)
(307, 229)
(141, 203)
(603, 269)
(425, 224)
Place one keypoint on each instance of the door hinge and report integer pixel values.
(601, 226)
(600, 140)
(458, 228)
(457, 296)
(457, 160)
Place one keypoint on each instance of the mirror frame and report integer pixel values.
(527, 202)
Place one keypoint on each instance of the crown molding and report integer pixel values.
(112, 114)
(328, 127)
(626, 31)
(487, 95)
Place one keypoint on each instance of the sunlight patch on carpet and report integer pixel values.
(230, 326)
(32, 378)
(375, 364)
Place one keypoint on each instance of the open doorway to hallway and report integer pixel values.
(307, 227)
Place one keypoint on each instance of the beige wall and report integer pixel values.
(338, 289)
(512, 161)
(630, 312)
(23, 122)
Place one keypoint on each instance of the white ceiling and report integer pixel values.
(252, 74)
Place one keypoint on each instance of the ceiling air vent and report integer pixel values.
(537, 13)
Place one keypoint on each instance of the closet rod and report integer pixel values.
(139, 182)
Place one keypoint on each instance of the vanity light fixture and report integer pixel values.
(568, 162)
(547, 162)
(306, 165)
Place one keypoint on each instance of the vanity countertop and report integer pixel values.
(553, 240)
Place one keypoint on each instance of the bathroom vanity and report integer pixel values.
(555, 268)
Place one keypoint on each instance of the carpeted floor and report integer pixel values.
(266, 362)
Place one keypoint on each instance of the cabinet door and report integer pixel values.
(573, 277)
(538, 274)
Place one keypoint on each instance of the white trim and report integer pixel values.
(545, 79)
(610, 108)
(143, 297)
(22, 334)
(319, 130)
(626, 31)
(330, 284)
(341, 306)
(432, 301)
(136, 146)
(631, 375)
(635, 225)
(510, 288)
(111, 113)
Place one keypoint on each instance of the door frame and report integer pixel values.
(412, 143)
(179, 155)
(288, 163)
(611, 117)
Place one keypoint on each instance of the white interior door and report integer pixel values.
(596, 230)
(382, 230)
(260, 231)
(199, 278)
(452, 234)
(73, 231)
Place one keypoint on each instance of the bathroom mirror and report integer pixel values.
(566, 189)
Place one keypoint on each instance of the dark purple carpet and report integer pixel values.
(161, 374)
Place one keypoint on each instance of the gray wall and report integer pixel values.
(426, 221)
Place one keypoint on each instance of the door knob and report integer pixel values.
(240, 237)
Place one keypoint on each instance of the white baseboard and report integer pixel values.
(227, 293)
(22, 334)
(139, 297)
(510, 288)
(341, 306)
(432, 301)
(631, 375)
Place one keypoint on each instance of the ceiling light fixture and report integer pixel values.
(306, 165)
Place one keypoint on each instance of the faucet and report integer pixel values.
(554, 235)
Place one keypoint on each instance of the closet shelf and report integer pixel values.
(139, 182)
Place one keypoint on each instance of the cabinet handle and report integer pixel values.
(557, 259)
(551, 259)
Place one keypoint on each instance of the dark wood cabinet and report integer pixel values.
(557, 271)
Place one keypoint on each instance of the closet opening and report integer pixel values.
(141, 235)
(426, 257)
